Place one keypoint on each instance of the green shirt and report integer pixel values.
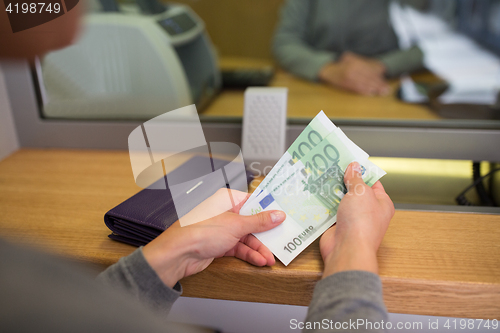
(312, 33)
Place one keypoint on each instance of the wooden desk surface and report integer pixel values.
(445, 264)
(306, 99)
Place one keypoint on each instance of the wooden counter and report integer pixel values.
(306, 99)
(445, 264)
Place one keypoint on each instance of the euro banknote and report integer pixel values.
(308, 186)
(313, 134)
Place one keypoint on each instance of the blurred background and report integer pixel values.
(412, 65)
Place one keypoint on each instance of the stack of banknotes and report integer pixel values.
(307, 184)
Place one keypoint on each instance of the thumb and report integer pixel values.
(352, 176)
(260, 222)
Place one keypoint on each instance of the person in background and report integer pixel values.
(348, 44)
(42, 293)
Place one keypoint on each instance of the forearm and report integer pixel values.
(350, 292)
(300, 59)
(351, 256)
(290, 45)
(134, 275)
(349, 297)
(345, 299)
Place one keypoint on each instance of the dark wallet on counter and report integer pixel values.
(141, 218)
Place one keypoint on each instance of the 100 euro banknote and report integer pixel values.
(319, 128)
(313, 134)
(309, 191)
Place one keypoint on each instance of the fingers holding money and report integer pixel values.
(384, 199)
(362, 220)
(183, 251)
(266, 220)
(251, 250)
(353, 179)
(355, 185)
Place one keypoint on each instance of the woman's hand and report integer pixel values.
(363, 218)
(181, 251)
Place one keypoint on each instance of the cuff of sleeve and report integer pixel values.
(401, 61)
(317, 62)
(353, 285)
(150, 288)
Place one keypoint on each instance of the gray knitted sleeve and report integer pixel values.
(134, 275)
(342, 300)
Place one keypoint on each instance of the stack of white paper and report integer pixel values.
(472, 71)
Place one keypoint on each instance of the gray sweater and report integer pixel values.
(339, 300)
(312, 33)
(41, 293)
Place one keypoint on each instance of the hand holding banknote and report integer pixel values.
(307, 184)
(362, 220)
(183, 251)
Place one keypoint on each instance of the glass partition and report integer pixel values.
(136, 60)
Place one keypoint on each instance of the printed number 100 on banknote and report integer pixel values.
(308, 189)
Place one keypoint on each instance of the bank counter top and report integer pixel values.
(306, 99)
(443, 264)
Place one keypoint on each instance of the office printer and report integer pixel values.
(134, 62)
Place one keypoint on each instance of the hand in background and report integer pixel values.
(183, 251)
(362, 219)
(356, 73)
